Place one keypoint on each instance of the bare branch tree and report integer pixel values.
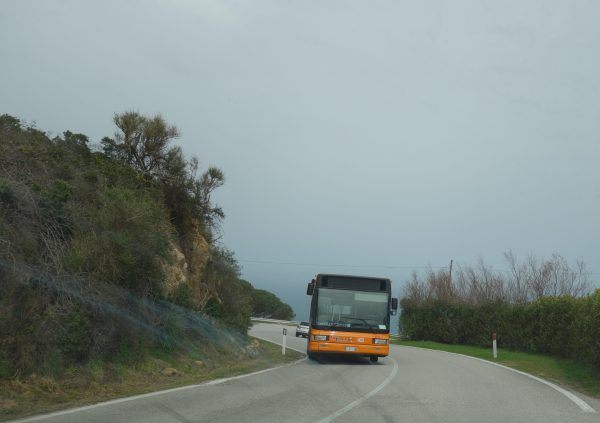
(525, 281)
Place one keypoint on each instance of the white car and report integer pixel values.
(302, 330)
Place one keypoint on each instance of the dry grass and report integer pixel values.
(101, 381)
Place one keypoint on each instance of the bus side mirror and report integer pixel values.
(309, 289)
(394, 306)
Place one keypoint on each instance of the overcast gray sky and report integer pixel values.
(354, 133)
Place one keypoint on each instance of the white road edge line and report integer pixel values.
(153, 394)
(584, 406)
(368, 395)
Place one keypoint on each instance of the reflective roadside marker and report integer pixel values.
(283, 343)
(494, 346)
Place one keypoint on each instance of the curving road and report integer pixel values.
(411, 385)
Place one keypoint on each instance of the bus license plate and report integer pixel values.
(350, 348)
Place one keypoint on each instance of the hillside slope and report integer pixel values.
(108, 254)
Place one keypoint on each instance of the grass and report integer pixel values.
(99, 381)
(577, 376)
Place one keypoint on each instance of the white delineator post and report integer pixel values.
(494, 346)
(283, 343)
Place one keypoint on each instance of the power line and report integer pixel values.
(381, 266)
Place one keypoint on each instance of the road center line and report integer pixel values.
(578, 401)
(368, 395)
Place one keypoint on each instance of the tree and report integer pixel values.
(212, 179)
(267, 304)
(142, 142)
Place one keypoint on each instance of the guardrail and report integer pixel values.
(281, 322)
(294, 323)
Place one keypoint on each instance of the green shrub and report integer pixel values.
(75, 339)
(127, 236)
(563, 326)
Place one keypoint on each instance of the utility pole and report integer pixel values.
(450, 278)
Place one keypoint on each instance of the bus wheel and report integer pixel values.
(373, 359)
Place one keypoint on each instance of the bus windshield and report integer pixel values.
(352, 309)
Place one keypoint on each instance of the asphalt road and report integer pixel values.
(411, 385)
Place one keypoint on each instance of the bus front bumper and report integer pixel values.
(358, 349)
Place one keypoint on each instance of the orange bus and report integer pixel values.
(350, 315)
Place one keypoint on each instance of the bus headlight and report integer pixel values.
(380, 341)
(320, 337)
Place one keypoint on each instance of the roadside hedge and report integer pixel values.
(563, 326)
